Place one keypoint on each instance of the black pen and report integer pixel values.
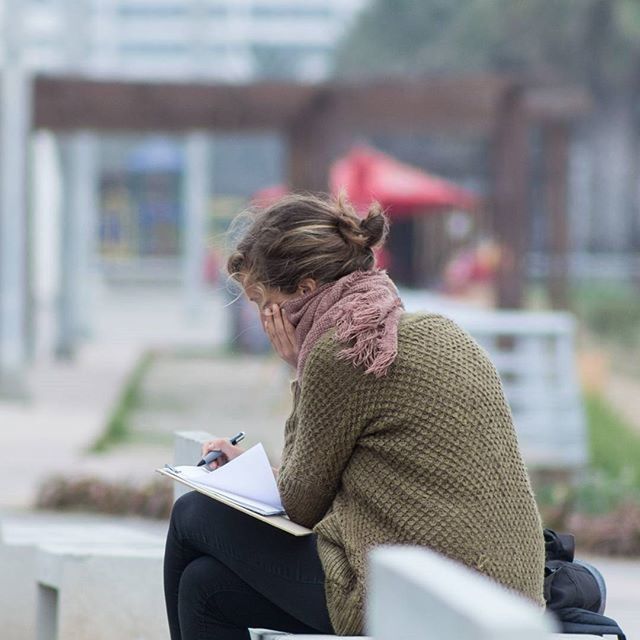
(216, 453)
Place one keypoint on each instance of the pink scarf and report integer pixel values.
(365, 308)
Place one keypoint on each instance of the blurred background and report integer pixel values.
(502, 137)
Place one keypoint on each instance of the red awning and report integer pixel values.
(367, 174)
(268, 195)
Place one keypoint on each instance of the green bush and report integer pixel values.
(151, 500)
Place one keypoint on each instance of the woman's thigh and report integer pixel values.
(285, 569)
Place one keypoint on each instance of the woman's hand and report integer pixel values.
(229, 452)
(281, 333)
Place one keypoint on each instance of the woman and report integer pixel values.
(400, 433)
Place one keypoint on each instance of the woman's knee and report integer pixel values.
(202, 581)
(191, 506)
(197, 517)
(186, 504)
(203, 576)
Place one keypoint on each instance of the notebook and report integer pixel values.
(246, 483)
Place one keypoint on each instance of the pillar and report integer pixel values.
(45, 240)
(78, 240)
(15, 110)
(197, 175)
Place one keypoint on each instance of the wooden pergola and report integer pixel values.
(319, 122)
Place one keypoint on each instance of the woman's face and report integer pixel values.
(267, 297)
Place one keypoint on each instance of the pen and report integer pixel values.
(216, 453)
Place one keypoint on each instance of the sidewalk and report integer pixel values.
(71, 401)
(66, 413)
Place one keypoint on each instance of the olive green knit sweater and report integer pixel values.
(425, 455)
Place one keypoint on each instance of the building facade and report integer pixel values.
(225, 40)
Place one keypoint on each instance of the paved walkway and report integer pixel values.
(67, 412)
(70, 402)
(220, 396)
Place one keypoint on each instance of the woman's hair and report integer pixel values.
(306, 236)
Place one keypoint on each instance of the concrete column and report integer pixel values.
(85, 186)
(79, 240)
(15, 112)
(196, 196)
(45, 239)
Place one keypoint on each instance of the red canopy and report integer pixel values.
(268, 195)
(367, 174)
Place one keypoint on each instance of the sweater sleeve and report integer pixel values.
(320, 436)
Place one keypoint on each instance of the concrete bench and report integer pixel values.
(101, 592)
(20, 538)
(417, 594)
(107, 582)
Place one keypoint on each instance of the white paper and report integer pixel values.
(248, 476)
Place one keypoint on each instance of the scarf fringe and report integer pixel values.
(364, 307)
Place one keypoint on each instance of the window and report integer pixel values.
(152, 11)
(154, 48)
(290, 12)
(217, 10)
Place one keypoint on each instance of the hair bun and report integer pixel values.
(375, 226)
(348, 223)
(364, 233)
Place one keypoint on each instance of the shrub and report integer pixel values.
(153, 500)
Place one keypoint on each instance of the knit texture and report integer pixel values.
(426, 455)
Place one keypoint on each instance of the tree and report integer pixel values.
(586, 41)
(591, 43)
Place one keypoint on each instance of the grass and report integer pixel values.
(117, 429)
(613, 443)
(613, 475)
(603, 510)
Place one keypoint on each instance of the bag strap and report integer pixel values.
(594, 630)
(559, 546)
(582, 621)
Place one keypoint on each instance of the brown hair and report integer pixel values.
(306, 236)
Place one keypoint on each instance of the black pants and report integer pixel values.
(225, 572)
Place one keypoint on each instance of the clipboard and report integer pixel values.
(280, 522)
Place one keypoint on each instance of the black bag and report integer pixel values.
(574, 590)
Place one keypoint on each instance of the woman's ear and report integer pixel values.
(307, 286)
